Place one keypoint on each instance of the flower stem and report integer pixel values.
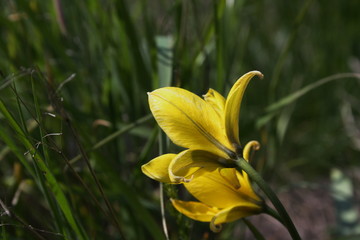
(253, 229)
(255, 176)
(271, 212)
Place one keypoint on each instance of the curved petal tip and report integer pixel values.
(252, 145)
(215, 227)
(257, 73)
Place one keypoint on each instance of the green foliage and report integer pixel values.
(75, 125)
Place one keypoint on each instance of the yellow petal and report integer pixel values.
(213, 189)
(189, 162)
(252, 145)
(246, 189)
(195, 210)
(189, 121)
(157, 168)
(229, 174)
(233, 213)
(216, 100)
(232, 106)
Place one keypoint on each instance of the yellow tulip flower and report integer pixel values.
(208, 129)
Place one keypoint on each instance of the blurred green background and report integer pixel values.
(75, 125)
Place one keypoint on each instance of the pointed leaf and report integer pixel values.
(301, 92)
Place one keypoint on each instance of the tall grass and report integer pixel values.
(75, 125)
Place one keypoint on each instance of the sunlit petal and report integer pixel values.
(216, 100)
(233, 213)
(189, 121)
(195, 210)
(232, 106)
(157, 168)
(213, 189)
(189, 162)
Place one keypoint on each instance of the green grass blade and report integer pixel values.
(140, 211)
(114, 135)
(273, 109)
(38, 119)
(219, 8)
(130, 30)
(14, 148)
(51, 180)
(286, 49)
(294, 96)
(3, 231)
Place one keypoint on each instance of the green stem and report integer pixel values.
(255, 176)
(271, 212)
(254, 230)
